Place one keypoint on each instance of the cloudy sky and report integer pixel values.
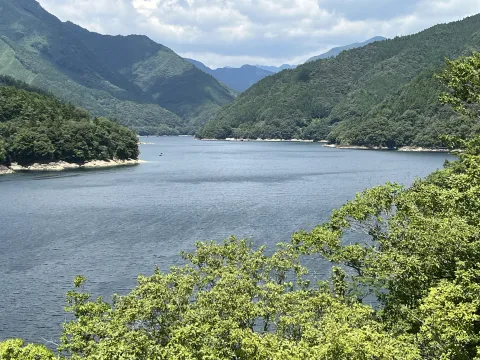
(235, 32)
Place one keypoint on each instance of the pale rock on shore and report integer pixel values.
(110, 163)
(62, 165)
(53, 166)
(402, 149)
(421, 149)
(355, 147)
(261, 140)
(5, 170)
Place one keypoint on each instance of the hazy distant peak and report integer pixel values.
(276, 69)
(239, 79)
(337, 50)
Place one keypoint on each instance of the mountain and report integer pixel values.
(238, 79)
(381, 94)
(201, 66)
(337, 50)
(276, 69)
(331, 53)
(144, 85)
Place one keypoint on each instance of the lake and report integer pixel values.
(111, 225)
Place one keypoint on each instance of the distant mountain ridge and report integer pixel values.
(331, 53)
(238, 79)
(276, 69)
(383, 94)
(142, 84)
(337, 50)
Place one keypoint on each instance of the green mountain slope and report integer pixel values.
(337, 50)
(37, 127)
(364, 91)
(121, 77)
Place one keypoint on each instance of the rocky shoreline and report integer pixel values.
(351, 147)
(421, 149)
(62, 165)
(5, 170)
(262, 140)
(402, 149)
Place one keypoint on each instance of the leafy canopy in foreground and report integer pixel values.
(414, 253)
(462, 77)
(15, 349)
(229, 302)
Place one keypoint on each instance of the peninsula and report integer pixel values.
(38, 132)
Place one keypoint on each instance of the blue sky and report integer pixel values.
(272, 32)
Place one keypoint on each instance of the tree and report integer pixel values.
(462, 77)
(29, 146)
(230, 301)
(3, 152)
(16, 350)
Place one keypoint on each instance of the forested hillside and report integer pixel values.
(37, 127)
(142, 84)
(383, 94)
(337, 50)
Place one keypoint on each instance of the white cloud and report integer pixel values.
(234, 32)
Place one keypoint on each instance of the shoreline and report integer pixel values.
(401, 149)
(334, 146)
(63, 165)
(263, 140)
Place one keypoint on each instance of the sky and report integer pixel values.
(266, 32)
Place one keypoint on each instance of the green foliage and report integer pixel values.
(450, 314)
(417, 252)
(36, 127)
(16, 350)
(229, 302)
(3, 152)
(142, 84)
(462, 78)
(383, 94)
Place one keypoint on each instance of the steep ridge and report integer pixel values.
(373, 85)
(123, 77)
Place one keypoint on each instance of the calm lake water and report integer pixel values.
(111, 225)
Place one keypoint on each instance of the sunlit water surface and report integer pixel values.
(111, 225)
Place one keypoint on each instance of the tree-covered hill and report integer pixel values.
(383, 94)
(144, 85)
(37, 127)
(337, 50)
